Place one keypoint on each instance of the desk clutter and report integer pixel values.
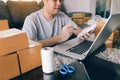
(66, 70)
(77, 71)
(18, 54)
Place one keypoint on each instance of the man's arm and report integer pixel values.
(50, 41)
(64, 35)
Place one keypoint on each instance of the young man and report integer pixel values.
(50, 26)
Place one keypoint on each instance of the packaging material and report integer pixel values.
(80, 18)
(100, 25)
(30, 58)
(9, 67)
(114, 35)
(79, 21)
(48, 63)
(4, 24)
(86, 19)
(12, 40)
(78, 15)
(111, 43)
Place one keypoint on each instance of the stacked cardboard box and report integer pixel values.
(11, 40)
(17, 53)
(80, 18)
(9, 66)
(4, 24)
(30, 57)
(113, 38)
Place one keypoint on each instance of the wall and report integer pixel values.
(23, 0)
(115, 7)
(80, 6)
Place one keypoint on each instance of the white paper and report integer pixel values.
(47, 55)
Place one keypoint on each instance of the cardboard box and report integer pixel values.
(78, 15)
(4, 24)
(86, 19)
(9, 67)
(12, 40)
(79, 21)
(30, 58)
(100, 25)
(114, 35)
(111, 43)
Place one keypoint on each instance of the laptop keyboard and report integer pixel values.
(81, 48)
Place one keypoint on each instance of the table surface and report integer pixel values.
(37, 74)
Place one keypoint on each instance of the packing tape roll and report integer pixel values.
(47, 55)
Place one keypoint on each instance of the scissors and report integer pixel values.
(66, 69)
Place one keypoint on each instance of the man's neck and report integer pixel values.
(48, 15)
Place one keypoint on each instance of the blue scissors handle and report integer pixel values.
(65, 69)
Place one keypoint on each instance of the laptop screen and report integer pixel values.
(112, 22)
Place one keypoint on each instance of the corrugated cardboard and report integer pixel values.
(114, 35)
(78, 15)
(111, 43)
(100, 25)
(4, 24)
(30, 58)
(86, 19)
(79, 21)
(9, 67)
(12, 40)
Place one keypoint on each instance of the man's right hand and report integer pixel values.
(66, 32)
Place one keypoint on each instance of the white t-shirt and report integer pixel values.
(37, 27)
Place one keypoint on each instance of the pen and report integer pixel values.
(74, 29)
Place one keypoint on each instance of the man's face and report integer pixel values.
(53, 6)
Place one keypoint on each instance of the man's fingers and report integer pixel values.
(84, 36)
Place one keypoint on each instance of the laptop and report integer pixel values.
(86, 48)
